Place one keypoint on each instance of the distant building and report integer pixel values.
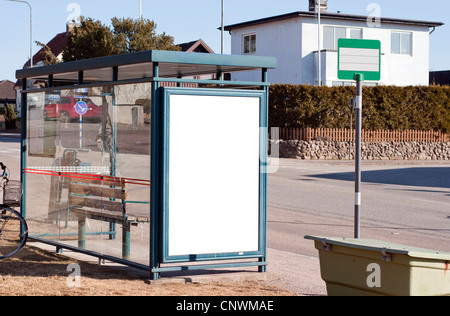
(56, 45)
(293, 39)
(198, 46)
(7, 93)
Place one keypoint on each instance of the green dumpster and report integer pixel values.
(364, 267)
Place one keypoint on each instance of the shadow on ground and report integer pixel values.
(432, 177)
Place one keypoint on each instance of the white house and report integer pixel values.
(294, 39)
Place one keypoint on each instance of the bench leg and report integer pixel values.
(112, 231)
(82, 232)
(126, 232)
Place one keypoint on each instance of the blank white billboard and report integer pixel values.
(214, 145)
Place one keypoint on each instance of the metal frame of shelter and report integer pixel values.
(156, 67)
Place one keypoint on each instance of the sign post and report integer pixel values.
(358, 129)
(81, 109)
(359, 60)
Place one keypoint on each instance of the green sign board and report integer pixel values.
(359, 57)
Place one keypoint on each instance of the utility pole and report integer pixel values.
(319, 7)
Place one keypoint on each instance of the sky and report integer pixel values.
(194, 19)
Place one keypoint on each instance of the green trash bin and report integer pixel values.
(361, 267)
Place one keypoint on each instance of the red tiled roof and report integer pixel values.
(57, 45)
(7, 90)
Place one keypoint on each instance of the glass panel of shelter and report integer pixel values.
(79, 135)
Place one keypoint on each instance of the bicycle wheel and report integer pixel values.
(13, 232)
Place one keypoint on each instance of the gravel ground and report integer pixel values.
(35, 272)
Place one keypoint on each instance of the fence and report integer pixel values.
(377, 136)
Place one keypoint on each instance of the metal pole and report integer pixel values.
(320, 39)
(359, 79)
(23, 146)
(155, 176)
(31, 30)
(352, 109)
(222, 40)
(31, 36)
(223, 29)
(351, 137)
(81, 131)
(140, 9)
(263, 175)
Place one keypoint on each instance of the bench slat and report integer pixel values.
(80, 201)
(100, 191)
(109, 216)
(99, 215)
(117, 183)
(91, 198)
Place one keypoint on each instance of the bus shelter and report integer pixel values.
(148, 159)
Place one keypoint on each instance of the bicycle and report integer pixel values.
(13, 227)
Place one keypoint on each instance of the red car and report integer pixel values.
(64, 109)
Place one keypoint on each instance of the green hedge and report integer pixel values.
(384, 107)
(10, 117)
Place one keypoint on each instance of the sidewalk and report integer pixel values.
(295, 273)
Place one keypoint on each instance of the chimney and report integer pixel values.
(70, 25)
(314, 5)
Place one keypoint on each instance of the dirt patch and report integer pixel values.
(34, 272)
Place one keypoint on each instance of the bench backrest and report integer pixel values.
(106, 195)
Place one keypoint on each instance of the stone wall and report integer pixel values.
(332, 150)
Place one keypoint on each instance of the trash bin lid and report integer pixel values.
(378, 245)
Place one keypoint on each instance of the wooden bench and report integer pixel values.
(103, 200)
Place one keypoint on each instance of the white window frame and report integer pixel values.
(400, 44)
(347, 34)
(349, 29)
(250, 52)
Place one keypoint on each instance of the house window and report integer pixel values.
(331, 35)
(249, 44)
(401, 43)
(355, 34)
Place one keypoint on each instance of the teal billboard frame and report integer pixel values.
(263, 147)
(158, 67)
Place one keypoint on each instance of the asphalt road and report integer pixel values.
(402, 202)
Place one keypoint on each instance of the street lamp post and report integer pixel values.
(31, 30)
(222, 30)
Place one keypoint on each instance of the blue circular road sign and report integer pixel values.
(81, 108)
